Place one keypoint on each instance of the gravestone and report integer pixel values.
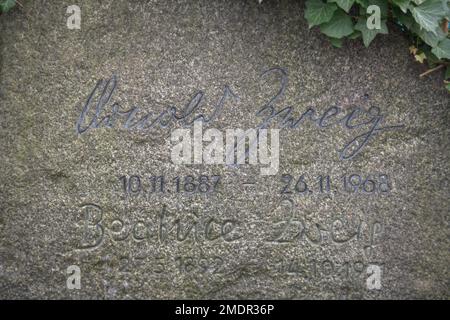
(94, 204)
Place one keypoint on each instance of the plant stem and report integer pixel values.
(431, 70)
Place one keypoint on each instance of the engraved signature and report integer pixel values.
(353, 120)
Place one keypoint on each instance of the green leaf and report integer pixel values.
(6, 5)
(339, 26)
(447, 73)
(432, 60)
(428, 14)
(404, 19)
(344, 4)
(355, 35)
(369, 34)
(402, 4)
(336, 42)
(448, 87)
(363, 3)
(447, 10)
(420, 57)
(318, 12)
(442, 50)
(431, 38)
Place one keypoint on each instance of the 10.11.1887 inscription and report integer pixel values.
(303, 184)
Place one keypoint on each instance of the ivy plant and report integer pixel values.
(425, 21)
(6, 5)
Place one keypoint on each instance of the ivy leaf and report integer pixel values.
(404, 19)
(339, 26)
(413, 50)
(355, 35)
(369, 34)
(318, 12)
(420, 57)
(442, 50)
(363, 3)
(428, 14)
(402, 4)
(336, 42)
(431, 38)
(344, 4)
(432, 60)
(6, 5)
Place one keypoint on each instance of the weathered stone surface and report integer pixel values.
(62, 200)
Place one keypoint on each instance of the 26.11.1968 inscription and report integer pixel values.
(347, 183)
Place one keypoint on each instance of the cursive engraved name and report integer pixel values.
(356, 119)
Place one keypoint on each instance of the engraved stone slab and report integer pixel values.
(93, 205)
